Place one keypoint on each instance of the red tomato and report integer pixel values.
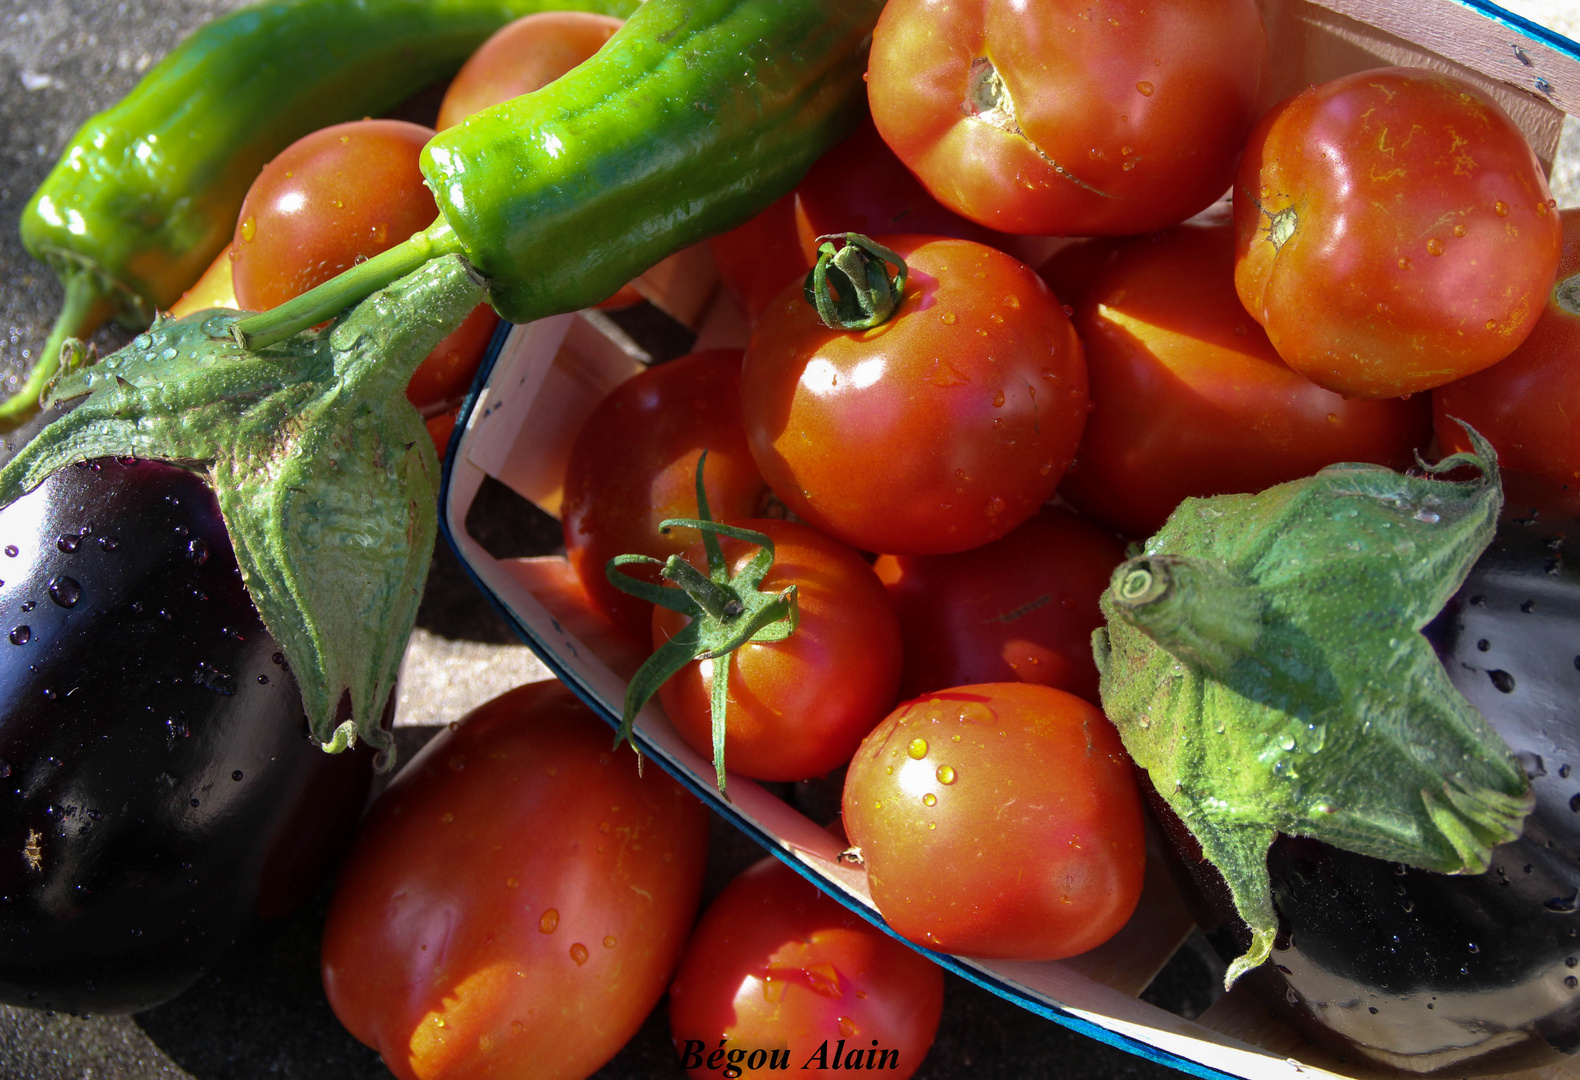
(1393, 232)
(998, 820)
(858, 186)
(938, 430)
(334, 198)
(1062, 118)
(634, 464)
(1528, 405)
(517, 898)
(798, 707)
(1021, 608)
(777, 971)
(1189, 398)
(524, 56)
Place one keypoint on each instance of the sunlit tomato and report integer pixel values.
(1021, 608)
(335, 198)
(1393, 232)
(1062, 118)
(998, 820)
(798, 707)
(634, 464)
(517, 898)
(521, 57)
(215, 289)
(776, 972)
(939, 430)
(1189, 398)
(858, 186)
(1528, 405)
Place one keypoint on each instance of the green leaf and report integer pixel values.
(324, 473)
(1264, 662)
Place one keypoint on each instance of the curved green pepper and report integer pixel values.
(692, 118)
(146, 194)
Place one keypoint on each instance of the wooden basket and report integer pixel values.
(543, 379)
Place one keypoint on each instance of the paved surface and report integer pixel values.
(263, 1013)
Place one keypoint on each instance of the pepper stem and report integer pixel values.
(346, 288)
(88, 303)
(850, 285)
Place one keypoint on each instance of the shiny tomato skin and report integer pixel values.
(517, 898)
(334, 198)
(1025, 795)
(1019, 609)
(939, 430)
(858, 186)
(797, 707)
(1126, 117)
(1189, 397)
(634, 464)
(1528, 404)
(1381, 264)
(776, 965)
(521, 57)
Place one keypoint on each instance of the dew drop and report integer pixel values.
(1500, 208)
(197, 552)
(1502, 680)
(918, 749)
(68, 543)
(1571, 982)
(21, 635)
(1434, 246)
(5, 769)
(946, 774)
(847, 1026)
(947, 318)
(1405, 263)
(1459, 230)
(1145, 88)
(549, 921)
(108, 543)
(998, 399)
(236, 776)
(609, 942)
(12, 550)
(579, 953)
(65, 591)
(249, 228)
(929, 799)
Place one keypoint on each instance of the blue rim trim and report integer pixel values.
(711, 799)
(1532, 30)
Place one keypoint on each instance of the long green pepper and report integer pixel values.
(146, 194)
(693, 117)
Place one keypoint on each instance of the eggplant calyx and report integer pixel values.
(726, 612)
(325, 476)
(1264, 662)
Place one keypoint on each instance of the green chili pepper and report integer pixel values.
(692, 118)
(146, 194)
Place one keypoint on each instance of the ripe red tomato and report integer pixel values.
(524, 56)
(634, 464)
(517, 898)
(1189, 398)
(939, 430)
(337, 197)
(858, 186)
(1060, 118)
(1021, 608)
(777, 971)
(998, 820)
(1528, 404)
(797, 707)
(1393, 232)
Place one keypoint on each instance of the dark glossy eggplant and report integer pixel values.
(160, 792)
(1430, 972)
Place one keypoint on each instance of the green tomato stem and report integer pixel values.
(347, 288)
(850, 285)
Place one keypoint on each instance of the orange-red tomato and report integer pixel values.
(1190, 399)
(517, 898)
(939, 430)
(634, 465)
(798, 707)
(523, 56)
(1394, 232)
(777, 971)
(1528, 404)
(335, 198)
(998, 820)
(1060, 118)
(1019, 609)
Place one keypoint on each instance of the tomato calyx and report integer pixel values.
(850, 285)
(726, 613)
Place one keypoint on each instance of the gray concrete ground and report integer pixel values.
(263, 1014)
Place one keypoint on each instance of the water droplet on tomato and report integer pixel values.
(847, 1026)
(1405, 263)
(998, 399)
(249, 229)
(1434, 246)
(947, 318)
(1500, 208)
(549, 921)
(929, 799)
(918, 749)
(579, 953)
(946, 773)
(65, 591)
(609, 942)
(1459, 230)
